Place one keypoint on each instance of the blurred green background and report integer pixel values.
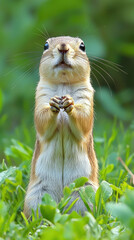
(107, 29)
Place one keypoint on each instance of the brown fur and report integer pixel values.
(33, 177)
(35, 157)
(92, 159)
(85, 123)
(81, 118)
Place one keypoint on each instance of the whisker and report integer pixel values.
(25, 56)
(99, 72)
(39, 45)
(104, 71)
(21, 66)
(102, 77)
(105, 64)
(32, 59)
(22, 76)
(41, 32)
(114, 67)
(108, 61)
(81, 57)
(23, 53)
(47, 34)
(96, 79)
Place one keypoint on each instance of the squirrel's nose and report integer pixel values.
(63, 48)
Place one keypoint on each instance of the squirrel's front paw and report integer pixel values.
(67, 103)
(54, 104)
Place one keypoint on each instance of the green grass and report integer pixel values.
(107, 30)
(113, 209)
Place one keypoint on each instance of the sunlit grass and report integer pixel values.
(112, 216)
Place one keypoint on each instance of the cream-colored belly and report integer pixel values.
(62, 159)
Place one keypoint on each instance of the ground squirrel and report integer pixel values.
(64, 147)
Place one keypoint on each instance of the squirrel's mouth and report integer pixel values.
(63, 64)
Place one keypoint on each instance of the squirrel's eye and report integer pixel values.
(46, 46)
(82, 46)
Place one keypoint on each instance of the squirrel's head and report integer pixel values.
(64, 60)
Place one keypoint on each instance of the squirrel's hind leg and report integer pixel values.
(34, 196)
